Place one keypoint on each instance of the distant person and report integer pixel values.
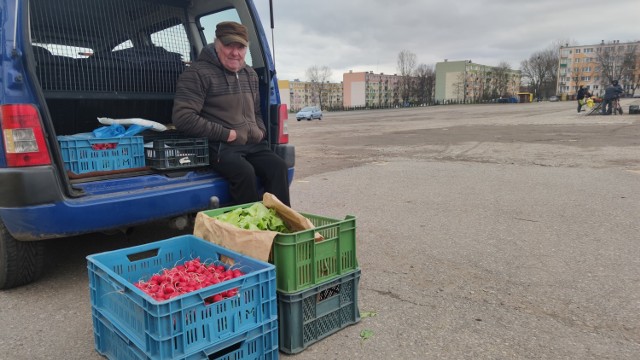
(583, 93)
(611, 93)
(217, 97)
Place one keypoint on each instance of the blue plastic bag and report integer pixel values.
(117, 130)
(135, 130)
(114, 130)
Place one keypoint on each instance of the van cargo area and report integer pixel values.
(68, 63)
(108, 58)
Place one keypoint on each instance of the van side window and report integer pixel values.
(75, 52)
(173, 39)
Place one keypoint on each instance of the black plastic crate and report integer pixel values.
(176, 153)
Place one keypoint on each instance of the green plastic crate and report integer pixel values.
(301, 262)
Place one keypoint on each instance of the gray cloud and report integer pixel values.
(367, 35)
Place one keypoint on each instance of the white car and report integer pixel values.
(309, 113)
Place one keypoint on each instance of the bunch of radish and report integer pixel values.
(190, 276)
(104, 146)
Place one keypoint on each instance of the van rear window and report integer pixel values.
(108, 45)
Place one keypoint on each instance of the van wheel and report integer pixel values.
(21, 262)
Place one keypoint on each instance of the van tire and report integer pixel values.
(21, 262)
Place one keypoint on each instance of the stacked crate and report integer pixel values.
(317, 281)
(129, 324)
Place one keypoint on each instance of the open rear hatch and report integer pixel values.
(117, 59)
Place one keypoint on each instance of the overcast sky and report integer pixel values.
(368, 35)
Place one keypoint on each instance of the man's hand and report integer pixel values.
(232, 135)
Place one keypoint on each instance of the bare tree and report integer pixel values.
(502, 75)
(480, 84)
(425, 80)
(551, 58)
(617, 63)
(406, 66)
(318, 78)
(541, 71)
(575, 74)
(459, 87)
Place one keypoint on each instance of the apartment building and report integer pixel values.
(298, 94)
(595, 65)
(366, 89)
(465, 81)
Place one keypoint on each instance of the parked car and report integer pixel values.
(506, 100)
(309, 113)
(62, 74)
(553, 98)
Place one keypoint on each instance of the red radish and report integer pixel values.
(190, 276)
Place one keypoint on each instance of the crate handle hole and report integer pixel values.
(225, 351)
(143, 255)
(328, 293)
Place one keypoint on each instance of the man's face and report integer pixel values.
(232, 55)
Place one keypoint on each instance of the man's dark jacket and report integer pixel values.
(210, 101)
(613, 91)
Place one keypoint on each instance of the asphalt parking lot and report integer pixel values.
(502, 231)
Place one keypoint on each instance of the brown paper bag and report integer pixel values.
(294, 220)
(254, 243)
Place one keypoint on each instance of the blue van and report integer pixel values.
(66, 63)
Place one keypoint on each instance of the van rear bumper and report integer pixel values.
(29, 186)
(104, 212)
(82, 215)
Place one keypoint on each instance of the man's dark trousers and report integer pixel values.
(240, 164)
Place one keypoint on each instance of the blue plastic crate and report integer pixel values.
(184, 324)
(83, 154)
(308, 316)
(260, 343)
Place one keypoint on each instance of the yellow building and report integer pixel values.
(285, 93)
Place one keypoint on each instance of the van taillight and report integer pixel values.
(283, 130)
(24, 142)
